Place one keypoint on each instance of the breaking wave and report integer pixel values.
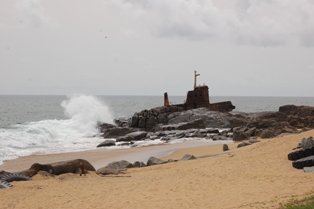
(78, 132)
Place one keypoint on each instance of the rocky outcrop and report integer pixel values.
(171, 123)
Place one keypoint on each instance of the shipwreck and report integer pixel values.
(199, 97)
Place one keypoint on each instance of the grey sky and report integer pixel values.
(146, 47)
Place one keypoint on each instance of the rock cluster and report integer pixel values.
(170, 123)
(119, 167)
(303, 156)
(289, 119)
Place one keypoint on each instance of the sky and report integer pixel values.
(148, 47)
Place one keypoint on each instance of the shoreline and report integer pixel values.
(252, 177)
(100, 157)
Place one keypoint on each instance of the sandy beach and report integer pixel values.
(257, 176)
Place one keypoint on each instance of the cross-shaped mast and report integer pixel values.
(195, 78)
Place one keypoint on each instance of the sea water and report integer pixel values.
(51, 124)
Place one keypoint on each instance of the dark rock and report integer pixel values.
(304, 162)
(121, 122)
(247, 142)
(188, 157)
(243, 144)
(306, 143)
(107, 143)
(133, 121)
(225, 147)
(268, 133)
(288, 108)
(134, 136)
(239, 134)
(138, 164)
(116, 132)
(155, 161)
(212, 131)
(210, 118)
(190, 125)
(251, 132)
(302, 153)
(166, 138)
(180, 135)
(105, 126)
(171, 161)
(119, 165)
(220, 138)
(151, 122)
(110, 171)
(260, 123)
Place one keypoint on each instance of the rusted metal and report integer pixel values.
(166, 100)
(199, 97)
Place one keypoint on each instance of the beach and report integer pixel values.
(256, 176)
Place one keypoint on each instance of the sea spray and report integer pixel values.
(85, 112)
(78, 132)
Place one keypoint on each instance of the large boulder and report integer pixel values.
(134, 136)
(302, 153)
(155, 161)
(304, 162)
(78, 166)
(119, 165)
(115, 168)
(115, 132)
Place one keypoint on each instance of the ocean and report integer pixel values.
(52, 124)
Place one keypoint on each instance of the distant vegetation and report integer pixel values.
(307, 203)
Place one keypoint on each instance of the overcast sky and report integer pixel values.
(147, 47)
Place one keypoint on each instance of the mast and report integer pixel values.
(195, 78)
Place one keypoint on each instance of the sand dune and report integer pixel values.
(257, 176)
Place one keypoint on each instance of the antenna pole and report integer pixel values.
(195, 78)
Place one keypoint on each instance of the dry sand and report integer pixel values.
(257, 176)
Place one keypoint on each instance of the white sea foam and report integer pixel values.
(78, 132)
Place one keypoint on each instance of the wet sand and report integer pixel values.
(257, 176)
